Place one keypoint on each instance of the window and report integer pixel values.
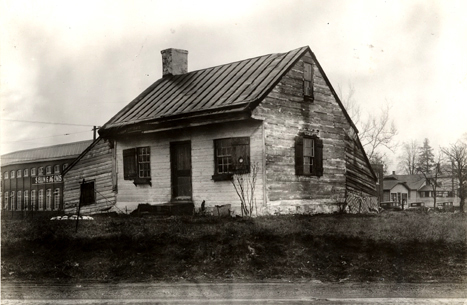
(56, 199)
(48, 199)
(18, 200)
(231, 156)
(18, 173)
(48, 170)
(5, 204)
(41, 200)
(308, 156)
(26, 200)
(26, 172)
(33, 172)
(5, 175)
(137, 165)
(87, 193)
(12, 201)
(64, 166)
(56, 169)
(33, 200)
(308, 81)
(12, 174)
(40, 171)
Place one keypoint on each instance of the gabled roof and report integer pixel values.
(225, 89)
(61, 151)
(414, 182)
(390, 184)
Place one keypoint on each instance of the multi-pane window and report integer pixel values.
(56, 199)
(48, 170)
(41, 200)
(5, 175)
(12, 174)
(19, 200)
(18, 173)
(33, 200)
(308, 156)
(26, 200)
(137, 164)
(231, 156)
(5, 204)
(40, 171)
(56, 169)
(48, 199)
(26, 172)
(12, 201)
(33, 171)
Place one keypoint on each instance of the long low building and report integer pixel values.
(32, 179)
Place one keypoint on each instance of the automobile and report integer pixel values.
(416, 206)
(390, 206)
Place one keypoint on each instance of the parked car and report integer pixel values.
(390, 206)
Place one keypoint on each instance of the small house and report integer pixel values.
(274, 120)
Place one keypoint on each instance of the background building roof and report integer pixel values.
(68, 150)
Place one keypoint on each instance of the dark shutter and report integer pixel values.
(129, 164)
(308, 80)
(241, 152)
(298, 156)
(318, 164)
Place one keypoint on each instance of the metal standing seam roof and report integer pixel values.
(68, 150)
(229, 85)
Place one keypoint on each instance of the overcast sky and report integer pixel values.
(80, 62)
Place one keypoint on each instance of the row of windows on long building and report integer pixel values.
(33, 200)
(40, 171)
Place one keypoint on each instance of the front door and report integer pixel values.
(180, 160)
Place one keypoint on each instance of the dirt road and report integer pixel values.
(233, 293)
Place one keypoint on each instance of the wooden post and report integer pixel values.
(79, 205)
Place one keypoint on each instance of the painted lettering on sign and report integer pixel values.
(48, 179)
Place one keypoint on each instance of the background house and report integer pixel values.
(182, 139)
(418, 189)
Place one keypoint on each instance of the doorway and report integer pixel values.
(180, 163)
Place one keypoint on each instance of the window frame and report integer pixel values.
(19, 173)
(235, 157)
(12, 174)
(33, 200)
(19, 197)
(56, 199)
(48, 170)
(40, 171)
(56, 169)
(40, 200)
(33, 172)
(315, 158)
(6, 175)
(26, 199)
(26, 172)
(137, 164)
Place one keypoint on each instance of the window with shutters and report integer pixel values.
(231, 156)
(137, 165)
(308, 156)
(308, 81)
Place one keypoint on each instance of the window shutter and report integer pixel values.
(298, 156)
(307, 80)
(318, 157)
(241, 150)
(129, 164)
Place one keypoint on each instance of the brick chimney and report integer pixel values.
(174, 62)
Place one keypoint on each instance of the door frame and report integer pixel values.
(174, 195)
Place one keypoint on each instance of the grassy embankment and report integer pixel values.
(390, 247)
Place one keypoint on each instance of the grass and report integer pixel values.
(394, 247)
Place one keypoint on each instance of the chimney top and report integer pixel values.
(393, 172)
(174, 62)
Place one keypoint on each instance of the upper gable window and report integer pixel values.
(308, 156)
(137, 165)
(231, 156)
(308, 80)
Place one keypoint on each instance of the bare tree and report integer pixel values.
(378, 131)
(408, 160)
(245, 184)
(457, 154)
